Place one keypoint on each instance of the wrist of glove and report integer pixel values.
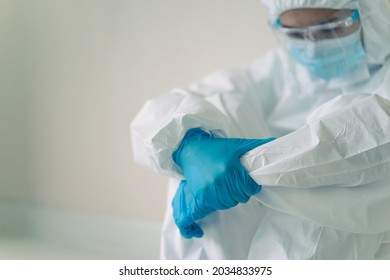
(214, 177)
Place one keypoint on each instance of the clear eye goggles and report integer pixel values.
(338, 25)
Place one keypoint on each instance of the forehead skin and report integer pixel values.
(305, 17)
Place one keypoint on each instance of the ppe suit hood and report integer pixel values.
(375, 19)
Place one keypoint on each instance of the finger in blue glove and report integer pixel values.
(184, 221)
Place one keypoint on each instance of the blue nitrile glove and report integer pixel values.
(214, 177)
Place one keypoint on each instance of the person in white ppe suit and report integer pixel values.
(324, 183)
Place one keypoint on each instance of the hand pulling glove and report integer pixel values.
(214, 177)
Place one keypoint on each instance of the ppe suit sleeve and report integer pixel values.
(345, 143)
(223, 104)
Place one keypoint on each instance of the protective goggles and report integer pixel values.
(340, 24)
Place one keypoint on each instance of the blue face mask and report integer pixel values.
(329, 58)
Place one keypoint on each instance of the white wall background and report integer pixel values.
(73, 74)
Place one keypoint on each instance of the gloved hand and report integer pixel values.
(214, 177)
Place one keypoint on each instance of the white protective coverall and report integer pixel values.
(326, 179)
